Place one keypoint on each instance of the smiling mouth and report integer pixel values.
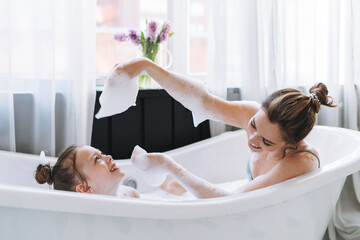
(254, 146)
(113, 167)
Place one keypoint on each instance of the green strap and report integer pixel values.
(248, 171)
(312, 154)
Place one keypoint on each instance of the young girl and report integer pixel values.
(85, 169)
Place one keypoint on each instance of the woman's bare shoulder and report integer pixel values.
(302, 161)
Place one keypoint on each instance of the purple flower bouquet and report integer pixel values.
(149, 41)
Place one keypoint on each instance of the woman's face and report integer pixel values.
(100, 170)
(264, 135)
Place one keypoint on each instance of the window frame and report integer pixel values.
(179, 17)
(181, 25)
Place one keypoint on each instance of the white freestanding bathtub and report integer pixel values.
(299, 208)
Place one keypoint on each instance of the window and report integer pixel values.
(198, 34)
(189, 20)
(120, 16)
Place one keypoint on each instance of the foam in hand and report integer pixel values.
(153, 176)
(139, 158)
(120, 92)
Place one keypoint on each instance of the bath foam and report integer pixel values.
(160, 195)
(154, 173)
(191, 97)
(153, 176)
(120, 93)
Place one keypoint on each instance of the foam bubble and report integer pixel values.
(191, 95)
(120, 92)
(161, 195)
(153, 175)
(139, 158)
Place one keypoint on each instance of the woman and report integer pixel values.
(275, 130)
(85, 169)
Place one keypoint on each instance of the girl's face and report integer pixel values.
(264, 135)
(100, 170)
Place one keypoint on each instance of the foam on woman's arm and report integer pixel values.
(121, 89)
(196, 185)
(191, 93)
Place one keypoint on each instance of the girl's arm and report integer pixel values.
(192, 183)
(193, 94)
(284, 170)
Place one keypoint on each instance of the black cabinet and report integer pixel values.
(157, 123)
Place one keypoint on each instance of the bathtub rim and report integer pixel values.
(40, 199)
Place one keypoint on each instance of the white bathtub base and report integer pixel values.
(299, 208)
(257, 224)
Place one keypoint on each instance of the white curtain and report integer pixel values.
(233, 52)
(264, 45)
(273, 44)
(47, 74)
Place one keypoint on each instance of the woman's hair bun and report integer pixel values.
(43, 174)
(319, 96)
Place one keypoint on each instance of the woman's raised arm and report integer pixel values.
(193, 94)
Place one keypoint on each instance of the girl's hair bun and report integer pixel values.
(43, 174)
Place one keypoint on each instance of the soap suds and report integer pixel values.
(120, 92)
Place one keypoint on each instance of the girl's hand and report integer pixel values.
(128, 192)
(170, 185)
(133, 68)
(143, 160)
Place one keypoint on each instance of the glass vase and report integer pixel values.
(154, 52)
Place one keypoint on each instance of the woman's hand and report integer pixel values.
(134, 67)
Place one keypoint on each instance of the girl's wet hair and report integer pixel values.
(64, 175)
(296, 112)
